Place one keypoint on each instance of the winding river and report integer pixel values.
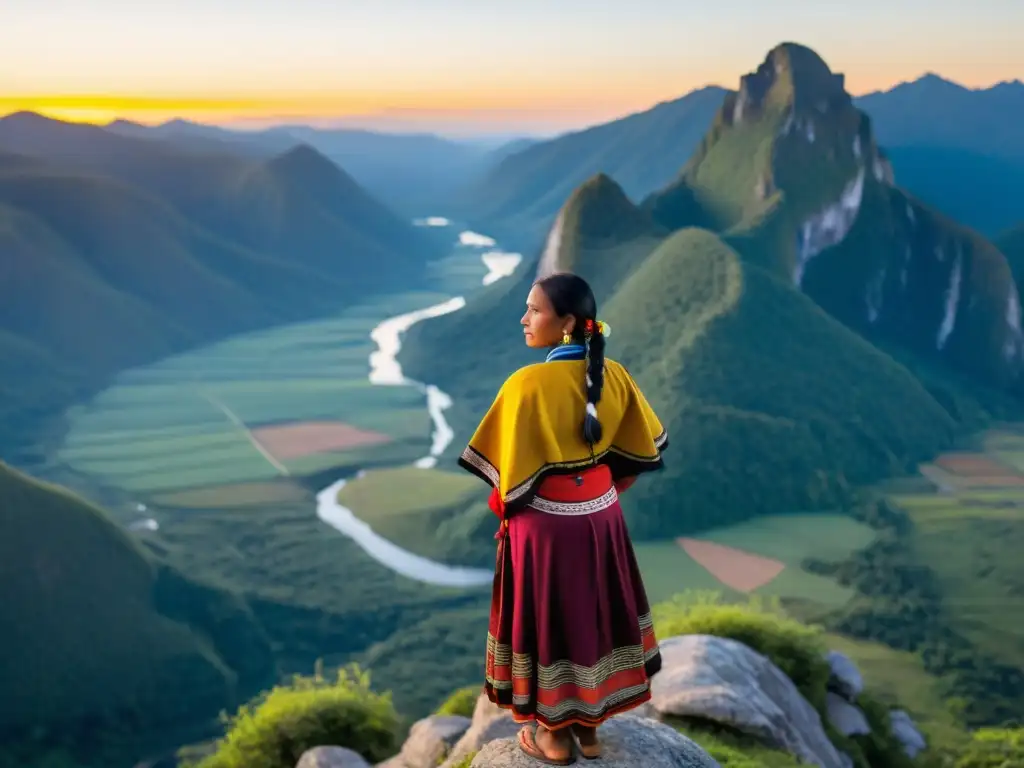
(385, 371)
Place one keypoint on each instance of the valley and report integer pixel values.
(227, 462)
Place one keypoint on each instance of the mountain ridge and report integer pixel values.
(520, 207)
(103, 629)
(169, 247)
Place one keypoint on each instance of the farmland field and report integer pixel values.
(786, 539)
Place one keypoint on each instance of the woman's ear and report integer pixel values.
(570, 324)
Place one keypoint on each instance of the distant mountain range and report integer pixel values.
(956, 148)
(416, 174)
(117, 250)
(933, 111)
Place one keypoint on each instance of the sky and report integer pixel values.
(463, 67)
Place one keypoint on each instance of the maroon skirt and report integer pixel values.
(570, 638)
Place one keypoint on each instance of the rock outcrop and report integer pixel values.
(629, 741)
(906, 732)
(715, 678)
(430, 742)
(845, 685)
(845, 679)
(331, 757)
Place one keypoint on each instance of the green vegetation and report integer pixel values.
(461, 702)
(734, 751)
(994, 748)
(274, 730)
(109, 646)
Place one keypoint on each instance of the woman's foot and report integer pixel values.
(587, 741)
(550, 747)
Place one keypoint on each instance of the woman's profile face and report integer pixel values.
(542, 327)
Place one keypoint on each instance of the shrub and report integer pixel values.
(275, 729)
(736, 751)
(994, 748)
(797, 649)
(461, 702)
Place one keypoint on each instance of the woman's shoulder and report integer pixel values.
(615, 368)
(540, 377)
(525, 378)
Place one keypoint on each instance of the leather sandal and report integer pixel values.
(528, 743)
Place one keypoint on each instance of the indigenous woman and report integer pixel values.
(570, 641)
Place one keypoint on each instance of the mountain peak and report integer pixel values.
(26, 117)
(791, 74)
(597, 213)
(123, 123)
(303, 161)
(599, 209)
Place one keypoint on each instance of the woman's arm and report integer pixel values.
(623, 483)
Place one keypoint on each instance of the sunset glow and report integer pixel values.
(527, 64)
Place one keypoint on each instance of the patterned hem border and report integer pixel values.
(529, 717)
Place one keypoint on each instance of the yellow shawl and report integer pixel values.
(535, 428)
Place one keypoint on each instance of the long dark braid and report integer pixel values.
(595, 383)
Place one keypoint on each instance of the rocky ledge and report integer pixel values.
(705, 677)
